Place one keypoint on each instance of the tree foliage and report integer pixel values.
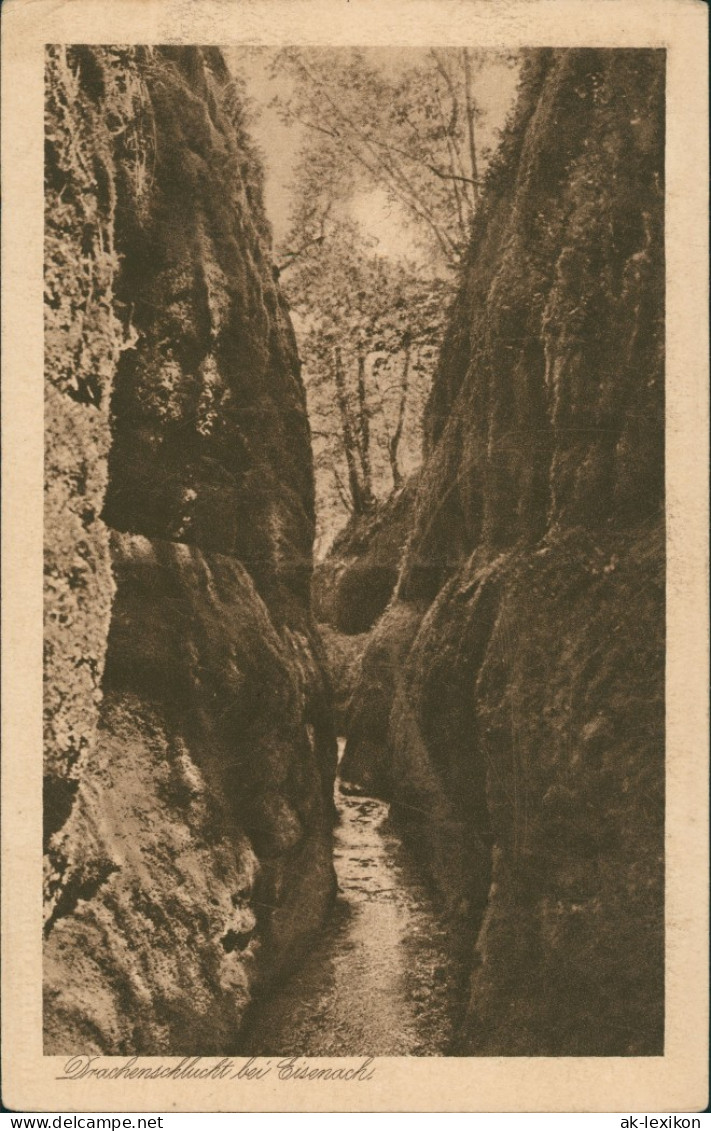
(368, 328)
(410, 129)
(369, 324)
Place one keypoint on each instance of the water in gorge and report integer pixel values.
(379, 980)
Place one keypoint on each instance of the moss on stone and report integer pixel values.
(518, 724)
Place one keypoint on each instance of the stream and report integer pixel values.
(378, 980)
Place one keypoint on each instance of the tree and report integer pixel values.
(368, 329)
(411, 130)
(369, 325)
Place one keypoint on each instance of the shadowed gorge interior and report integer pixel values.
(476, 866)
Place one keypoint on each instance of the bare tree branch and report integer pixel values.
(398, 182)
(470, 122)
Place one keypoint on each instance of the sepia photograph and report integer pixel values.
(354, 535)
(360, 553)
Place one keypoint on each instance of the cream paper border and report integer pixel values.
(678, 1080)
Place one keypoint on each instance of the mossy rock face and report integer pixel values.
(530, 717)
(366, 762)
(517, 724)
(210, 433)
(343, 655)
(577, 802)
(190, 746)
(547, 408)
(83, 341)
(354, 584)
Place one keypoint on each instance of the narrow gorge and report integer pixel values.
(482, 872)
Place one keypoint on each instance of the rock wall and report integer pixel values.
(353, 585)
(343, 660)
(190, 747)
(519, 729)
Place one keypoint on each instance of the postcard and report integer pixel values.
(355, 433)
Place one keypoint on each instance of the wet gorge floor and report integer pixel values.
(378, 981)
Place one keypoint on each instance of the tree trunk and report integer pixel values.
(364, 434)
(350, 442)
(470, 123)
(341, 490)
(394, 440)
(348, 434)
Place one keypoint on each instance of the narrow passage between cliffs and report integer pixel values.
(379, 980)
